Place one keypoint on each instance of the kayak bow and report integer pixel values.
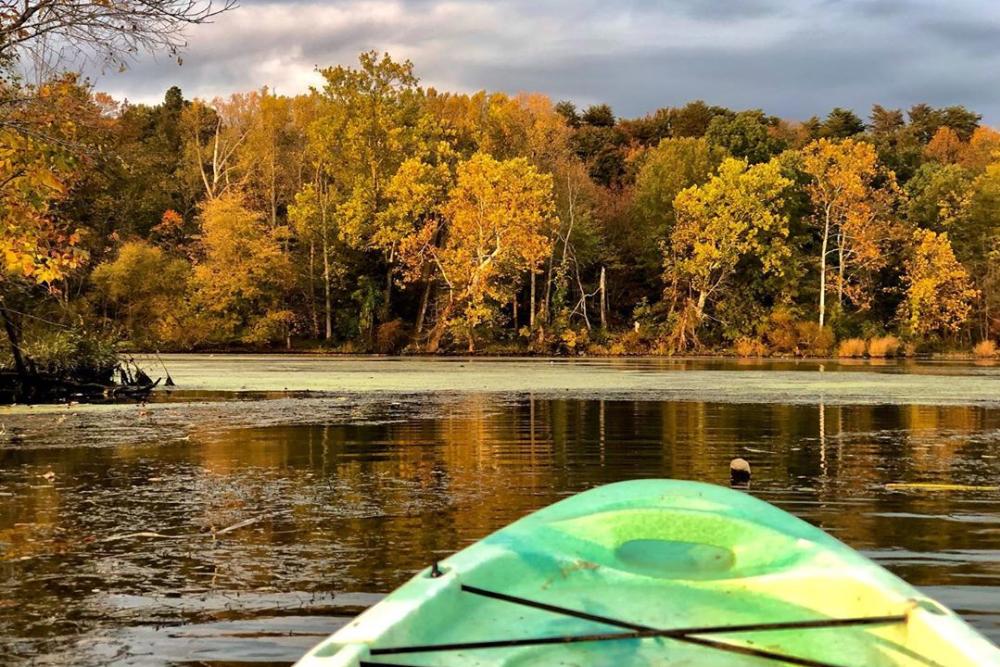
(656, 572)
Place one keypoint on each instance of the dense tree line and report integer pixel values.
(376, 215)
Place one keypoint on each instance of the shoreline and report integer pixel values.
(967, 357)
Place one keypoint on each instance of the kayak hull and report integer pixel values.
(657, 555)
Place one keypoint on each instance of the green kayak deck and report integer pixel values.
(656, 572)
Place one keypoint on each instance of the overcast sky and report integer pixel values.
(793, 58)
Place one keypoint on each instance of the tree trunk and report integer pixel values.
(987, 298)
(513, 308)
(274, 192)
(327, 301)
(840, 272)
(387, 302)
(822, 270)
(442, 321)
(604, 300)
(14, 339)
(531, 312)
(424, 300)
(312, 288)
(702, 299)
(546, 300)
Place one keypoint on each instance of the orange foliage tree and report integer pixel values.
(945, 146)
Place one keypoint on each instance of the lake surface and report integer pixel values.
(268, 500)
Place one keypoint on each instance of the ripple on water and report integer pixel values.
(213, 529)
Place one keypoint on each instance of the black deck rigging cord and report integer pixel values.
(637, 632)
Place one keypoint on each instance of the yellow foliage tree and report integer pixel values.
(939, 293)
(853, 213)
(377, 108)
(737, 214)
(499, 225)
(414, 215)
(983, 148)
(36, 172)
(143, 286)
(270, 156)
(244, 274)
(33, 175)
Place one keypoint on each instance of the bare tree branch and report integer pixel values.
(110, 31)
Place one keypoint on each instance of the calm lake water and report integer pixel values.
(268, 500)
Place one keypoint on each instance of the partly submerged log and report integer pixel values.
(39, 387)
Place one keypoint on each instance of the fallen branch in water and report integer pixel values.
(247, 635)
(241, 524)
(215, 533)
(142, 533)
(245, 523)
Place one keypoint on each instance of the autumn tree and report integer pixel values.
(500, 124)
(313, 213)
(982, 149)
(939, 196)
(379, 106)
(270, 155)
(141, 288)
(213, 134)
(945, 146)
(499, 226)
(417, 195)
(244, 276)
(38, 136)
(977, 245)
(737, 214)
(548, 144)
(38, 247)
(146, 156)
(852, 211)
(313, 218)
(938, 290)
(373, 209)
(952, 199)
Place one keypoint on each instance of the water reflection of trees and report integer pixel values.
(453, 479)
(361, 506)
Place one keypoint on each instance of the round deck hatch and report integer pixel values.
(675, 560)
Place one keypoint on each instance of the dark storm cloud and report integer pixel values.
(794, 58)
(979, 38)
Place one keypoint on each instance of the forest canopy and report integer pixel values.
(374, 215)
